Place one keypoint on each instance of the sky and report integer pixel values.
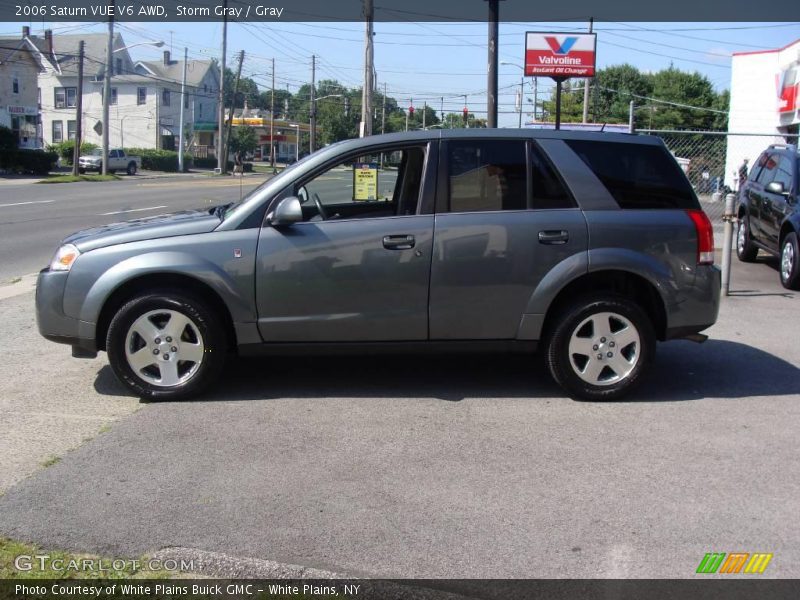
(433, 60)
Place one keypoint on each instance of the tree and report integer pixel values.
(243, 139)
(677, 86)
(612, 91)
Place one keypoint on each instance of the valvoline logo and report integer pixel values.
(560, 48)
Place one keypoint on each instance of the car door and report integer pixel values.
(775, 206)
(362, 273)
(504, 219)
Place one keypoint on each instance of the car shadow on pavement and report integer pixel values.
(682, 371)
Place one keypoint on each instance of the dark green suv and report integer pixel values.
(769, 217)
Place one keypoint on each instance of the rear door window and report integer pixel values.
(487, 175)
(637, 175)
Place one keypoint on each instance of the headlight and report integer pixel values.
(64, 258)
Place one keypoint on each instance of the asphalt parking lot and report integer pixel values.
(420, 466)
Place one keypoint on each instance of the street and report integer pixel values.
(417, 466)
(35, 217)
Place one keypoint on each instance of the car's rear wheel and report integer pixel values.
(745, 249)
(790, 262)
(166, 345)
(131, 168)
(600, 347)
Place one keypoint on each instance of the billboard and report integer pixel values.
(560, 54)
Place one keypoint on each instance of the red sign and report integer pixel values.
(788, 84)
(560, 54)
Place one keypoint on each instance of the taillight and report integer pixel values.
(705, 236)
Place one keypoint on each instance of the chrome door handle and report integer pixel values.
(553, 237)
(398, 242)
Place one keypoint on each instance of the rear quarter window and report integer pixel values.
(637, 176)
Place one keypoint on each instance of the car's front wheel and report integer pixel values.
(600, 347)
(745, 249)
(166, 345)
(790, 262)
(131, 168)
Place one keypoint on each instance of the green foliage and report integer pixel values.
(66, 150)
(243, 139)
(158, 160)
(614, 87)
(205, 163)
(8, 141)
(35, 162)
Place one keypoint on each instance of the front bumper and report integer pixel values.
(53, 324)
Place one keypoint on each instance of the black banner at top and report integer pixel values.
(277, 11)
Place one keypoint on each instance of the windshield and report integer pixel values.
(97, 152)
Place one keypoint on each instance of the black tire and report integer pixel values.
(790, 262)
(131, 170)
(746, 251)
(203, 325)
(81, 171)
(577, 321)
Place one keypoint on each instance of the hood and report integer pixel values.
(147, 228)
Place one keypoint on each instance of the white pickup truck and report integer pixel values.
(117, 161)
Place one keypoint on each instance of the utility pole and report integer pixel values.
(535, 96)
(107, 85)
(272, 121)
(183, 105)
(586, 86)
(222, 165)
(630, 118)
(383, 110)
(424, 110)
(369, 57)
(79, 111)
(521, 99)
(233, 106)
(494, 10)
(441, 105)
(312, 134)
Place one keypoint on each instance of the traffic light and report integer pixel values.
(465, 114)
(411, 110)
(346, 106)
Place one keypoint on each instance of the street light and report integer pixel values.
(521, 88)
(156, 44)
(296, 141)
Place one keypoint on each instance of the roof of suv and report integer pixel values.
(483, 133)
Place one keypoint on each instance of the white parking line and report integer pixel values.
(130, 210)
(31, 202)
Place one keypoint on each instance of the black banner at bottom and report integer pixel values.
(398, 589)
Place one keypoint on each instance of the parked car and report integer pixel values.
(769, 216)
(117, 161)
(588, 246)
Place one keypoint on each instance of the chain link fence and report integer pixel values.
(711, 161)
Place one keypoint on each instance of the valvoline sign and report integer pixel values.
(560, 54)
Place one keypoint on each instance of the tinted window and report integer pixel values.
(636, 175)
(783, 173)
(767, 163)
(548, 191)
(487, 175)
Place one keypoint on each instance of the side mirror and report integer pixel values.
(775, 187)
(287, 212)
(302, 193)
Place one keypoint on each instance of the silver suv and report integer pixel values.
(592, 246)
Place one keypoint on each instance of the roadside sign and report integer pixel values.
(365, 181)
(98, 128)
(560, 54)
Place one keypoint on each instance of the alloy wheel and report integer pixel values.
(604, 349)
